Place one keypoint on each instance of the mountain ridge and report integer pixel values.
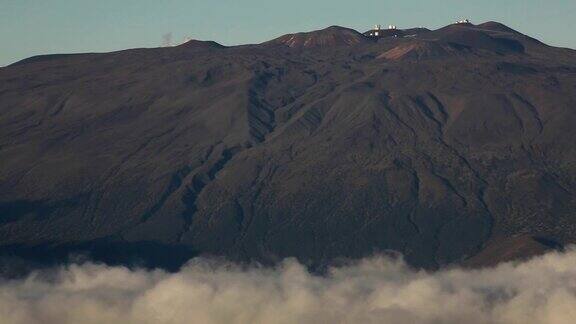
(450, 146)
(328, 31)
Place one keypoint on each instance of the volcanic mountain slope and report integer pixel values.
(330, 37)
(451, 146)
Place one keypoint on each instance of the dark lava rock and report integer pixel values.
(449, 146)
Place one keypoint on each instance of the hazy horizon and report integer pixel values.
(33, 27)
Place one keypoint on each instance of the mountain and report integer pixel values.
(452, 146)
(330, 37)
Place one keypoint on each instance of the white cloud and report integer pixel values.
(374, 290)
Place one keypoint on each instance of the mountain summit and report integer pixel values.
(330, 37)
(451, 146)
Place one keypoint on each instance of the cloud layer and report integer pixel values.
(375, 290)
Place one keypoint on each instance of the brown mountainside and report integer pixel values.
(449, 146)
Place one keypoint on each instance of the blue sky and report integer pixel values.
(32, 27)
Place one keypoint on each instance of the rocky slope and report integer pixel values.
(449, 146)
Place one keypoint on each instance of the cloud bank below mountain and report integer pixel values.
(373, 290)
